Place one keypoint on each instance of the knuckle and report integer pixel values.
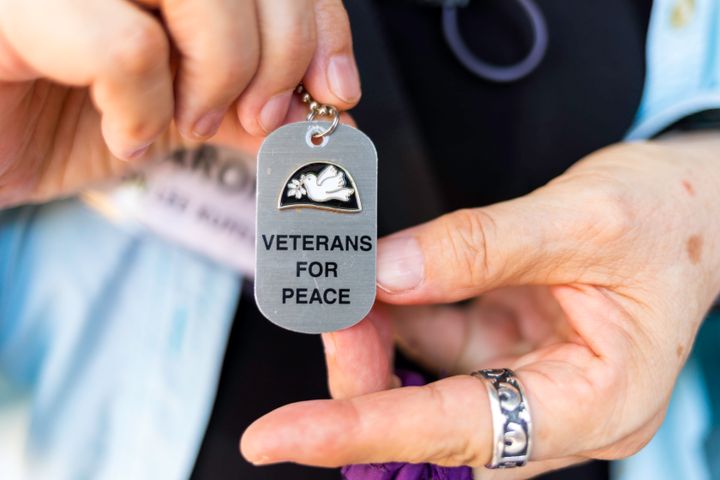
(333, 19)
(295, 47)
(467, 233)
(139, 50)
(600, 394)
(611, 212)
(234, 73)
(604, 208)
(468, 454)
(473, 448)
(301, 36)
(142, 129)
(130, 124)
(606, 381)
(467, 447)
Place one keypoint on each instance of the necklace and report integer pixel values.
(316, 223)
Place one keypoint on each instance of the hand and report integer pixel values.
(87, 84)
(591, 288)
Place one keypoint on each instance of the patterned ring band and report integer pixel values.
(512, 427)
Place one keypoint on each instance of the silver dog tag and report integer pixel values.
(316, 227)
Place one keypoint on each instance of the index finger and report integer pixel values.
(333, 76)
(359, 359)
(444, 422)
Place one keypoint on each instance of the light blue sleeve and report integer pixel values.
(118, 335)
(683, 77)
(683, 66)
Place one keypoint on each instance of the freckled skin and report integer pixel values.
(694, 248)
(688, 187)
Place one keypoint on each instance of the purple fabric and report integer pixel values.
(406, 471)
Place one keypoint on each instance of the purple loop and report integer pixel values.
(497, 73)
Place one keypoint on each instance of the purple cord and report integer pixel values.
(406, 471)
(497, 73)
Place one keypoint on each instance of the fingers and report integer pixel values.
(121, 52)
(333, 76)
(287, 31)
(232, 134)
(537, 239)
(116, 48)
(455, 339)
(261, 64)
(445, 423)
(444, 339)
(219, 48)
(359, 359)
(581, 402)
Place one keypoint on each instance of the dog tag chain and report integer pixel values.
(316, 223)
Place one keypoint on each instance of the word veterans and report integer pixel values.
(322, 243)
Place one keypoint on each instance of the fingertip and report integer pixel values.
(137, 153)
(129, 139)
(274, 111)
(262, 118)
(306, 432)
(253, 446)
(400, 265)
(343, 79)
(205, 126)
(333, 76)
(335, 81)
(127, 150)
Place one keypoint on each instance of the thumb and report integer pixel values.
(536, 239)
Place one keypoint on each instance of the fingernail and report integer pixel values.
(262, 460)
(329, 344)
(274, 111)
(400, 264)
(138, 152)
(342, 76)
(208, 124)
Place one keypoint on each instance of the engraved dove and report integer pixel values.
(329, 184)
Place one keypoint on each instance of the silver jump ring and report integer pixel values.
(335, 122)
(512, 426)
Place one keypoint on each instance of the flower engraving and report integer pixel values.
(296, 189)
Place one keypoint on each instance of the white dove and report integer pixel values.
(328, 185)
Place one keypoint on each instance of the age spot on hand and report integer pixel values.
(694, 248)
(688, 187)
(680, 350)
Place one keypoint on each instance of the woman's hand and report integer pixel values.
(591, 289)
(86, 84)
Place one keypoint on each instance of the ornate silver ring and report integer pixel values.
(512, 426)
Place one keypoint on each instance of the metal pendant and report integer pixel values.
(316, 227)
